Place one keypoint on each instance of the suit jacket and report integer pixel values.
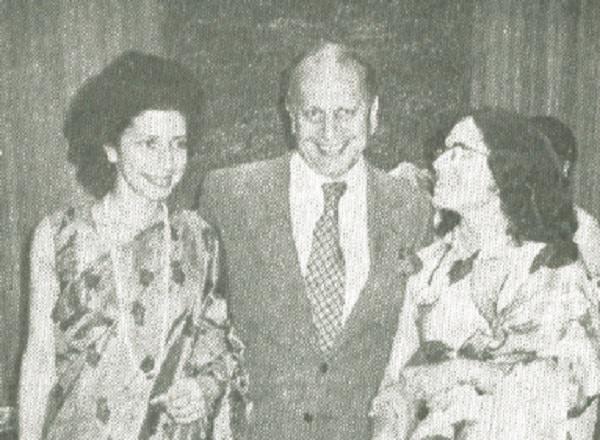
(299, 393)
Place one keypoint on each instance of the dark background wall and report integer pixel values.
(432, 56)
(420, 50)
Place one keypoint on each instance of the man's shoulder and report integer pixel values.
(406, 205)
(399, 190)
(388, 181)
(247, 176)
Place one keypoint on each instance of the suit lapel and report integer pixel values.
(271, 223)
(385, 238)
(277, 251)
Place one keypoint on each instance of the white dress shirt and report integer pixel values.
(306, 206)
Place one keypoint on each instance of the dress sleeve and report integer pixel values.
(393, 410)
(406, 340)
(418, 293)
(565, 339)
(568, 327)
(38, 367)
(579, 344)
(587, 238)
(558, 319)
(217, 358)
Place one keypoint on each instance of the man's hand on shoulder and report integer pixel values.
(418, 177)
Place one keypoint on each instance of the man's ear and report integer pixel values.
(288, 109)
(567, 169)
(374, 115)
(111, 153)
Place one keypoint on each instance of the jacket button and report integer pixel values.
(308, 417)
(323, 367)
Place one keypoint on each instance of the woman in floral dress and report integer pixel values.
(128, 336)
(498, 337)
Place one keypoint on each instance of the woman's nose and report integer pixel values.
(165, 158)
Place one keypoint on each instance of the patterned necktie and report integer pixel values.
(325, 272)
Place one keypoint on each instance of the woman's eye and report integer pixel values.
(151, 144)
(313, 114)
(345, 113)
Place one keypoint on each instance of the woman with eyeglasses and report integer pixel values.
(498, 337)
(128, 336)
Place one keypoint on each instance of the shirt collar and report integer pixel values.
(302, 173)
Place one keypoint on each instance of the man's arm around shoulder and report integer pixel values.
(418, 210)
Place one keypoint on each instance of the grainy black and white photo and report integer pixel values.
(299, 220)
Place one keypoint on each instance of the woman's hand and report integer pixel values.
(185, 402)
(393, 413)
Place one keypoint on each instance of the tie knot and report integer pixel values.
(332, 193)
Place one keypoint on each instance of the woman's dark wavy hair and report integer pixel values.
(561, 139)
(105, 105)
(534, 194)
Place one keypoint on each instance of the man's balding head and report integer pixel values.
(326, 58)
(333, 108)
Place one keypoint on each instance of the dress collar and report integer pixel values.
(496, 248)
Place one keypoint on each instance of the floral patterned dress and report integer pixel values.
(106, 376)
(493, 344)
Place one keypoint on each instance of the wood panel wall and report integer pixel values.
(543, 57)
(419, 49)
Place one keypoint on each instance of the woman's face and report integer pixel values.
(152, 153)
(463, 178)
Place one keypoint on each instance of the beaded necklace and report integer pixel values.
(123, 329)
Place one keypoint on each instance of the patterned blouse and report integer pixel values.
(493, 344)
(106, 376)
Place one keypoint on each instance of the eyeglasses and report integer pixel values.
(460, 151)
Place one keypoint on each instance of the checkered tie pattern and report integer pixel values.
(325, 272)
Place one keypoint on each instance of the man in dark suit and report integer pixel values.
(317, 247)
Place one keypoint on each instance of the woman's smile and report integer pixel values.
(161, 181)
